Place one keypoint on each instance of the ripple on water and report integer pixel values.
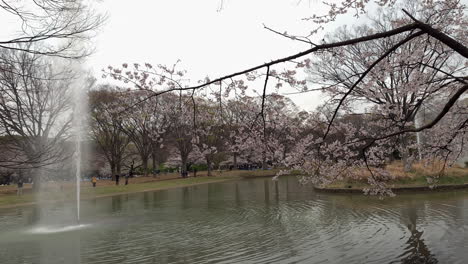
(202, 225)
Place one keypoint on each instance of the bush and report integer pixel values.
(198, 167)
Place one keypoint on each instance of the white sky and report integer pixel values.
(208, 41)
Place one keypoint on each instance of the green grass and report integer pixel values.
(89, 192)
(12, 199)
(258, 173)
(156, 185)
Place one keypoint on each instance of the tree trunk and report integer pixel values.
(405, 155)
(154, 163)
(144, 160)
(113, 170)
(208, 164)
(118, 168)
(184, 163)
(36, 177)
(235, 160)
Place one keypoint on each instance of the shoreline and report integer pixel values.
(400, 189)
(84, 198)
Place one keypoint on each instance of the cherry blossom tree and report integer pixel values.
(236, 114)
(160, 127)
(145, 125)
(182, 128)
(209, 132)
(401, 84)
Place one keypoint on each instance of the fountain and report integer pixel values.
(77, 129)
(45, 218)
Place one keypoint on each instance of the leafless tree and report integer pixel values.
(34, 110)
(57, 27)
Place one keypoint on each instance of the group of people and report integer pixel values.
(127, 176)
(117, 177)
(185, 174)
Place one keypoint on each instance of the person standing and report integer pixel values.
(94, 180)
(117, 176)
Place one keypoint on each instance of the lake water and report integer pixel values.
(246, 221)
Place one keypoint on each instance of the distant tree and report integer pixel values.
(106, 105)
(182, 128)
(146, 124)
(209, 133)
(161, 128)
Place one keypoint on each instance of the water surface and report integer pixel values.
(247, 221)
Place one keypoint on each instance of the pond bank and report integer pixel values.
(11, 200)
(444, 187)
(414, 181)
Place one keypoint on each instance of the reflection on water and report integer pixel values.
(248, 221)
(416, 250)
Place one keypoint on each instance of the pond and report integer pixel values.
(245, 221)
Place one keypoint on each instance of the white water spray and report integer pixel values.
(79, 125)
(78, 174)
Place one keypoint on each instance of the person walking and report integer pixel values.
(94, 180)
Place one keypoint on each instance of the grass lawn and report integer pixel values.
(106, 188)
(149, 186)
(66, 190)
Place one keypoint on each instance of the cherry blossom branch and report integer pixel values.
(444, 38)
(442, 113)
(383, 56)
(289, 36)
(263, 101)
(385, 34)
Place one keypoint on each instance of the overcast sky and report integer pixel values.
(210, 37)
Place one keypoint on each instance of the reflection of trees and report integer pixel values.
(266, 191)
(185, 203)
(35, 215)
(146, 200)
(116, 203)
(416, 250)
(238, 195)
(276, 192)
(159, 197)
